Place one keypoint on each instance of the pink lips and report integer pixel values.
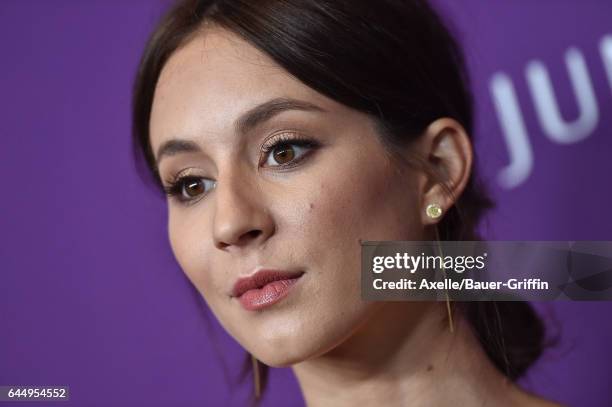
(264, 288)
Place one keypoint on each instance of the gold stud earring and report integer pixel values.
(433, 210)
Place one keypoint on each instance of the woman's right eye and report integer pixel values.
(189, 188)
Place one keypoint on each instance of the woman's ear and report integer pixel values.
(447, 152)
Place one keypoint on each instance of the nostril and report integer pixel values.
(254, 233)
(241, 240)
(222, 245)
(250, 235)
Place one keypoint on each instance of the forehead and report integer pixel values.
(213, 78)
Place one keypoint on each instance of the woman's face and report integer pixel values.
(220, 107)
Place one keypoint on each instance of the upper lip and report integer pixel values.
(260, 279)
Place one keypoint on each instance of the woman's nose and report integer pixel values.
(241, 217)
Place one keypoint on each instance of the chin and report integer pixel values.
(278, 349)
(280, 360)
(298, 343)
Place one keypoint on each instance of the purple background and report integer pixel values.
(90, 295)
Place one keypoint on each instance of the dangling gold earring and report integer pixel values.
(256, 377)
(448, 306)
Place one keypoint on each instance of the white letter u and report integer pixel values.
(547, 108)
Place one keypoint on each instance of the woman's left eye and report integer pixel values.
(287, 153)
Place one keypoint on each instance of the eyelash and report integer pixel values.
(175, 186)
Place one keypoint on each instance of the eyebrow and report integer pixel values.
(246, 122)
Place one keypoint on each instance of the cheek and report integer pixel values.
(375, 203)
(187, 239)
(345, 207)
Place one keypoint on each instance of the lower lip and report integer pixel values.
(267, 295)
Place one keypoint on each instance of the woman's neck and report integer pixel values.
(405, 355)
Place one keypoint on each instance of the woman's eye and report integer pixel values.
(189, 188)
(193, 188)
(285, 153)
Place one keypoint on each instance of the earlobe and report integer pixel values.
(448, 152)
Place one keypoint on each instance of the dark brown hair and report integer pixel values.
(394, 60)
